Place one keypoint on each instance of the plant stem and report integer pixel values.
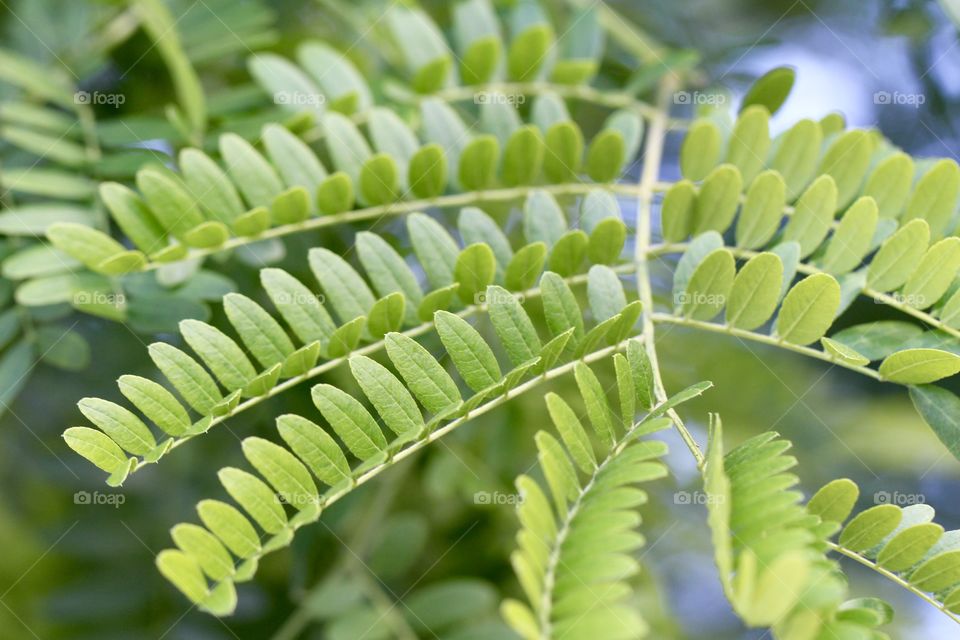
(652, 155)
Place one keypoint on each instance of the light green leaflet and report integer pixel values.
(605, 292)
(755, 292)
(718, 199)
(299, 306)
(698, 249)
(935, 197)
(261, 334)
(568, 253)
(676, 212)
(190, 379)
(474, 271)
(476, 226)
(347, 292)
(750, 142)
(795, 155)
(435, 249)
(571, 432)
(543, 220)
(852, 239)
(560, 306)
(174, 208)
(889, 184)
(256, 498)
(318, 450)
(700, 151)
(843, 353)
(97, 447)
(770, 90)
(427, 379)
(350, 420)
(762, 210)
(870, 527)
(933, 276)
(156, 403)
(348, 148)
(523, 156)
(809, 309)
(231, 526)
(940, 409)
(834, 501)
(513, 326)
(813, 215)
(846, 161)
(470, 353)
(525, 267)
(388, 271)
(257, 179)
(388, 395)
(225, 358)
(478, 163)
(283, 471)
(898, 257)
(297, 163)
(706, 293)
(919, 366)
(205, 548)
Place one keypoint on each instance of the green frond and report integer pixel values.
(575, 557)
(770, 550)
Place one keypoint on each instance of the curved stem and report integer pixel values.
(666, 318)
(405, 207)
(889, 575)
(653, 152)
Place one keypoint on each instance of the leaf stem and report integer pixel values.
(652, 155)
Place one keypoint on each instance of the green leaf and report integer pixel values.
(813, 215)
(877, 340)
(677, 211)
(425, 377)
(133, 216)
(318, 450)
(478, 163)
(427, 174)
(471, 355)
(718, 199)
(339, 79)
(388, 395)
(208, 235)
(809, 309)
(257, 179)
(528, 51)
(607, 241)
(347, 146)
(379, 180)
(750, 141)
(335, 194)
(388, 271)
(543, 219)
(843, 353)
(299, 306)
(868, 528)
(889, 184)
(700, 151)
(595, 400)
(481, 59)
(230, 526)
(476, 226)
(560, 306)
(898, 256)
(762, 210)
(97, 447)
(526, 266)
(605, 293)
(435, 249)
(343, 286)
(935, 197)
(252, 223)
(210, 186)
(386, 315)
(568, 253)
(346, 338)
(940, 409)
(834, 501)
(123, 427)
(919, 366)
(296, 162)
(261, 334)
(156, 403)
(283, 471)
(755, 292)
(698, 249)
(206, 549)
(513, 326)
(852, 239)
(184, 572)
(523, 156)
(846, 161)
(572, 432)
(190, 379)
(564, 152)
(220, 353)
(170, 203)
(933, 276)
(606, 156)
(256, 498)
(770, 90)
(908, 547)
(435, 301)
(350, 420)
(474, 271)
(708, 288)
(89, 246)
(796, 154)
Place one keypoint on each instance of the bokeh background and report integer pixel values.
(71, 570)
